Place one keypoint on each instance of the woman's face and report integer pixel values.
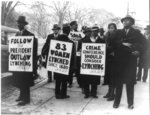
(111, 28)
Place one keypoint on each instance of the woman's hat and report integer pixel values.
(22, 20)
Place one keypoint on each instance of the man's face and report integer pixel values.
(55, 31)
(127, 22)
(94, 33)
(75, 26)
(21, 26)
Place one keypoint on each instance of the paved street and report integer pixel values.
(43, 101)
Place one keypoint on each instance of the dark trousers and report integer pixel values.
(70, 80)
(25, 93)
(130, 93)
(61, 87)
(49, 75)
(144, 78)
(93, 90)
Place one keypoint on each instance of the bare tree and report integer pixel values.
(39, 20)
(7, 9)
(60, 10)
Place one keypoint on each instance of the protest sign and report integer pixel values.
(59, 57)
(21, 53)
(75, 37)
(93, 59)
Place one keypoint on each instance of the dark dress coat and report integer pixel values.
(91, 79)
(26, 79)
(46, 46)
(109, 73)
(125, 61)
(59, 76)
(144, 56)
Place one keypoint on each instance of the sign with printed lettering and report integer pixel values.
(59, 57)
(93, 59)
(21, 53)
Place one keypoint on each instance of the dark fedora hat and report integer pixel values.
(147, 27)
(22, 20)
(101, 30)
(128, 17)
(56, 27)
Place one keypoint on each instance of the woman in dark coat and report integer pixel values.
(109, 74)
(90, 79)
(24, 80)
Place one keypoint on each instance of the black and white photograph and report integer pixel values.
(75, 57)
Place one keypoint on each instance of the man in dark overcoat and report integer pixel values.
(90, 79)
(45, 48)
(128, 44)
(61, 79)
(24, 80)
(143, 62)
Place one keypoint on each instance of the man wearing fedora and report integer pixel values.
(93, 80)
(24, 80)
(129, 43)
(45, 48)
(144, 57)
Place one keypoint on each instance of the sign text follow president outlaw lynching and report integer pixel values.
(21, 53)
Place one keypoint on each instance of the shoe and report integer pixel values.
(22, 103)
(49, 80)
(138, 80)
(19, 99)
(144, 80)
(94, 96)
(58, 97)
(110, 98)
(70, 86)
(130, 106)
(106, 96)
(115, 105)
(64, 97)
(86, 96)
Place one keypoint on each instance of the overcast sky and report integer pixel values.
(117, 7)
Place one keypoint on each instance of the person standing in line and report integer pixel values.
(101, 33)
(127, 45)
(108, 78)
(24, 80)
(61, 80)
(144, 58)
(90, 80)
(45, 49)
(75, 36)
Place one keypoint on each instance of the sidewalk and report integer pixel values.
(43, 102)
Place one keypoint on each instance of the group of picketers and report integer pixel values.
(123, 49)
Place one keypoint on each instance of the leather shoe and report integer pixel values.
(22, 103)
(110, 99)
(94, 96)
(64, 97)
(58, 97)
(86, 96)
(130, 106)
(106, 96)
(19, 99)
(115, 105)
